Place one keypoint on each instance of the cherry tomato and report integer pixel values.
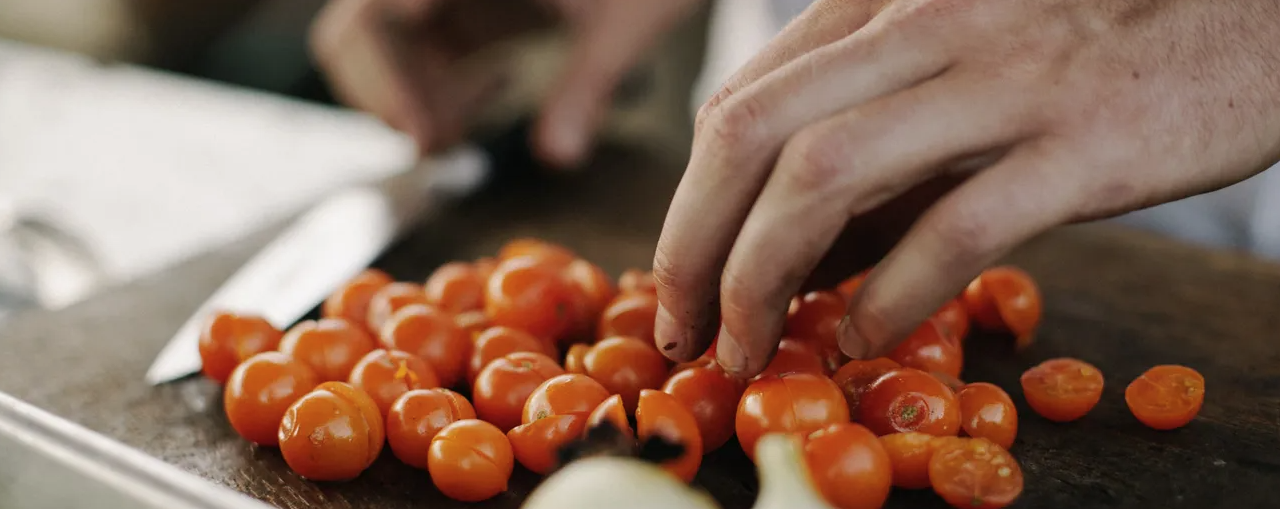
(712, 397)
(849, 466)
(975, 473)
(953, 320)
(485, 266)
(986, 411)
(611, 411)
(472, 322)
(637, 281)
(331, 434)
(928, 350)
(433, 335)
(528, 294)
(470, 461)
(791, 403)
(660, 414)
(504, 385)
(536, 444)
(909, 454)
(227, 339)
(330, 346)
(497, 342)
(856, 375)
(575, 358)
(417, 416)
(565, 394)
(386, 374)
(392, 298)
(591, 290)
(352, 300)
(850, 286)
(545, 251)
(625, 365)
(259, 391)
(1166, 397)
(630, 314)
(907, 399)
(455, 287)
(1005, 299)
(794, 356)
(816, 316)
(1062, 390)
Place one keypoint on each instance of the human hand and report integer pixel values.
(1044, 112)
(396, 59)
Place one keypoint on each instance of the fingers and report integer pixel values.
(1027, 192)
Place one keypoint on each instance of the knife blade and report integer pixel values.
(323, 248)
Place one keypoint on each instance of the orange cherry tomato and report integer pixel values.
(575, 358)
(566, 394)
(909, 455)
(953, 319)
(849, 466)
(536, 444)
(712, 397)
(504, 385)
(528, 294)
(472, 322)
(455, 287)
(986, 411)
(545, 251)
(630, 314)
(470, 461)
(856, 375)
(1062, 390)
(417, 416)
(794, 356)
(850, 286)
(259, 391)
(386, 374)
(330, 346)
(592, 290)
(497, 342)
(637, 281)
(660, 414)
(227, 339)
(791, 403)
(625, 365)
(611, 411)
(928, 350)
(975, 473)
(485, 266)
(392, 298)
(907, 399)
(1166, 397)
(332, 434)
(352, 300)
(1005, 299)
(816, 316)
(429, 333)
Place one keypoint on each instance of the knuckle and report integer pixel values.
(734, 123)
(709, 108)
(668, 277)
(812, 160)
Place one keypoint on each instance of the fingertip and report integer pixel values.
(730, 355)
(668, 338)
(563, 136)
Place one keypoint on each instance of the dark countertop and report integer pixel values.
(1120, 299)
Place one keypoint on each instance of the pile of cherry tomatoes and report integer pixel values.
(542, 345)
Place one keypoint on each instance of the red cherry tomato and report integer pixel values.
(497, 342)
(575, 358)
(974, 473)
(986, 411)
(856, 376)
(352, 300)
(660, 414)
(227, 339)
(536, 444)
(794, 356)
(433, 335)
(1166, 397)
(1005, 299)
(814, 321)
(503, 386)
(928, 350)
(792, 403)
(547, 252)
(472, 322)
(470, 461)
(392, 298)
(566, 394)
(330, 346)
(1062, 390)
(331, 434)
(953, 319)
(528, 294)
(417, 416)
(849, 466)
(591, 290)
(259, 391)
(712, 397)
(624, 366)
(386, 374)
(630, 314)
(850, 286)
(455, 287)
(611, 411)
(909, 454)
(637, 281)
(907, 399)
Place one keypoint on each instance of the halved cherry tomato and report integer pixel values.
(433, 335)
(575, 358)
(386, 374)
(592, 290)
(389, 299)
(1166, 397)
(790, 403)
(330, 346)
(986, 411)
(1005, 299)
(974, 473)
(497, 342)
(712, 397)
(637, 281)
(794, 356)
(470, 461)
(856, 375)
(548, 252)
(352, 300)
(909, 454)
(565, 394)
(1062, 390)
(472, 322)
(611, 411)
(227, 339)
(624, 366)
(331, 434)
(504, 385)
(660, 414)
(259, 392)
(907, 399)
(630, 314)
(849, 466)
(536, 444)
(953, 319)
(850, 286)
(455, 287)
(417, 416)
(527, 293)
(927, 350)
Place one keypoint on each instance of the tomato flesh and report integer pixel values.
(975, 473)
(1166, 397)
(1062, 390)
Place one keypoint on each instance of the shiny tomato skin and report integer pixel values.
(630, 314)
(592, 290)
(908, 399)
(330, 346)
(712, 397)
(529, 294)
(770, 405)
(612, 412)
(1062, 389)
(975, 473)
(909, 455)
(537, 444)
(417, 416)
(332, 434)
(386, 374)
(392, 298)
(928, 350)
(794, 356)
(455, 287)
(660, 414)
(637, 281)
(497, 342)
(1005, 299)
(228, 339)
(625, 366)
(542, 250)
(565, 394)
(953, 320)
(470, 461)
(815, 320)
(503, 387)
(351, 301)
(472, 322)
(986, 411)
(855, 376)
(849, 466)
(1166, 397)
(259, 392)
(575, 358)
(431, 334)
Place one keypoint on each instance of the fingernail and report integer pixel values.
(852, 344)
(666, 334)
(729, 354)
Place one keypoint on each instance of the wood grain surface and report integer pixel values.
(1122, 300)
